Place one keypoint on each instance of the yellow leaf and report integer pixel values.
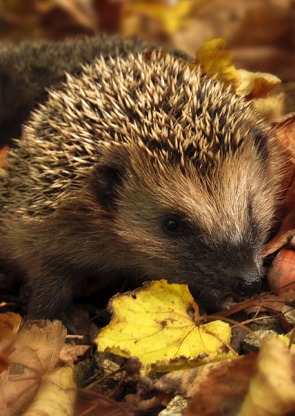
(171, 15)
(256, 84)
(155, 324)
(56, 395)
(215, 60)
(271, 107)
(272, 390)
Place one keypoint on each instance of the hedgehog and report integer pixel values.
(141, 168)
(28, 69)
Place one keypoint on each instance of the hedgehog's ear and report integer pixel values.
(108, 176)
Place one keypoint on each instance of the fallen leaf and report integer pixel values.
(282, 237)
(156, 325)
(285, 132)
(171, 16)
(271, 107)
(56, 394)
(260, 384)
(215, 60)
(3, 156)
(185, 382)
(281, 275)
(272, 390)
(9, 325)
(70, 353)
(35, 352)
(221, 389)
(256, 84)
(80, 11)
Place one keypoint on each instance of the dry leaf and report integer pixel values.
(271, 107)
(81, 11)
(155, 324)
(3, 155)
(281, 275)
(272, 390)
(286, 231)
(221, 390)
(56, 394)
(257, 384)
(171, 16)
(36, 352)
(215, 60)
(256, 84)
(70, 353)
(285, 132)
(185, 382)
(9, 325)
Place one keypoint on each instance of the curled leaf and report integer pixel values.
(215, 60)
(272, 390)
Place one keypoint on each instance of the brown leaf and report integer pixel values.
(35, 353)
(285, 131)
(281, 275)
(70, 353)
(272, 389)
(9, 325)
(3, 156)
(256, 384)
(80, 11)
(184, 382)
(56, 394)
(282, 237)
(222, 391)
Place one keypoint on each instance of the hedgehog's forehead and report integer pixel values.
(179, 147)
(199, 149)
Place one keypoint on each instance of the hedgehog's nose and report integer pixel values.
(249, 283)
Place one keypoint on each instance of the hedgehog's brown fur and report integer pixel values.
(139, 167)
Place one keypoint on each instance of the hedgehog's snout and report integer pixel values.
(248, 283)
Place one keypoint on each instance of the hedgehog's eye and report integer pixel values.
(173, 225)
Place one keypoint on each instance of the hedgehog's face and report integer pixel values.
(206, 231)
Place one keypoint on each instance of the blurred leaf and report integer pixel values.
(272, 390)
(215, 60)
(171, 14)
(256, 84)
